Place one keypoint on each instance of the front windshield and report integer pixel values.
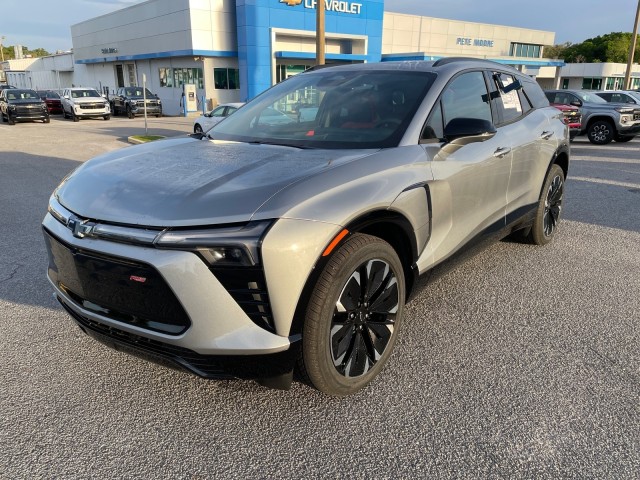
(137, 92)
(22, 95)
(331, 109)
(591, 97)
(88, 93)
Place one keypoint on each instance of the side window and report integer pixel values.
(434, 129)
(534, 93)
(466, 97)
(508, 100)
(230, 110)
(218, 112)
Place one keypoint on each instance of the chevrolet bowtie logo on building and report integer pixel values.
(291, 3)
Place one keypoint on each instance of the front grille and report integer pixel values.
(29, 109)
(248, 288)
(92, 106)
(117, 288)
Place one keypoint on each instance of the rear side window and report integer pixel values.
(534, 93)
(466, 97)
(508, 98)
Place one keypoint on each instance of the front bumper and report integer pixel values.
(218, 325)
(626, 130)
(151, 109)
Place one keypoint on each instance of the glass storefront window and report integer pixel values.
(226, 78)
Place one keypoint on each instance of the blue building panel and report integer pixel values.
(255, 18)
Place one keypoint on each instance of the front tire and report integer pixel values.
(107, 117)
(197, 128)
(129, 112)
(353, 316)
(46, 120)
(547, 216)
(74, 117)
(601, 132)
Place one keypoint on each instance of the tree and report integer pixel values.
(9, 53)
(611, 47)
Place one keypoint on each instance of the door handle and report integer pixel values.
(546, 135)
(501, 152)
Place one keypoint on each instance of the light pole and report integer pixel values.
(320, 32)
(2, 46)
(632, 50)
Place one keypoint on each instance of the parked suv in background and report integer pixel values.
(52, 99)
(602, 122)
(621, 96)
(130, 101)
(80, 103)
(17, 105)
(262, 246)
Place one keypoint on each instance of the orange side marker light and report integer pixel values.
(335, 242)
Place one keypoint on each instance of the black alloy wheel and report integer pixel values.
(549, 209)
(364, 318)
(601, 132)
(353, 316)
(553, 205)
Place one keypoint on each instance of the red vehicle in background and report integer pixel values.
(572, 117)
(52, 99)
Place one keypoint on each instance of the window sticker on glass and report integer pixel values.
(510, 98)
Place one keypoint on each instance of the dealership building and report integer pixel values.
(231, 50)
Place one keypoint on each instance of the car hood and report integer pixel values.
(185, 182)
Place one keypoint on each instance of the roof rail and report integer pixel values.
(320, 67)
(448, 60)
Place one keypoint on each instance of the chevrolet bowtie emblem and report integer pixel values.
(291, 3)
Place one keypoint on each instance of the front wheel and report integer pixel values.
(601, 132)
(129, 112)
(107, 117)
(547, 216)
(197, 128)
(74, 117)
(353, 316)
(46, 120)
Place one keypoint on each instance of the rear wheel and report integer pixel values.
(601, 132)
(549, 208)
(353, 316)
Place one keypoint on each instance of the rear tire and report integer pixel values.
(353, 316)
(547, 216)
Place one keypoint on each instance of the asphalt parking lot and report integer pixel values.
(522, 363)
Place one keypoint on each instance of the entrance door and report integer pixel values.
(119, 76)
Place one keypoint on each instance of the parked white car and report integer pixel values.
(208, 120)
(80, 103)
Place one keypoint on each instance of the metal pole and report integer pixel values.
(632, 50)
(144, 98)
(320, 42)
(2, 46)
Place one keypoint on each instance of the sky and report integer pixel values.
(46, 23)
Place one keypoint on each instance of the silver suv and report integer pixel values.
(265, 247)
(602, 121)
(81, 102)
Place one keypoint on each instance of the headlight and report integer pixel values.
(624, 110)
(625, 118)
(159, 102)
(231, 246)
(12, 107)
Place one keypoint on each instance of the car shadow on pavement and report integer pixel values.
(26, 183)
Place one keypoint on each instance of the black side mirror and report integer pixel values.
(462, 131)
